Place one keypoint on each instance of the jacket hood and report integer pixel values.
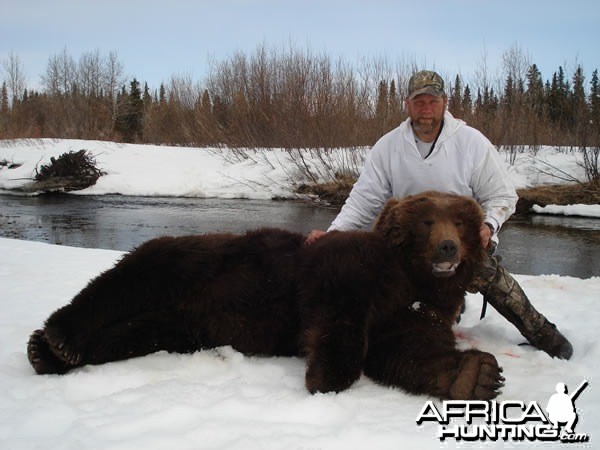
(451, 126)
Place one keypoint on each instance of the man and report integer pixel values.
(433, 150)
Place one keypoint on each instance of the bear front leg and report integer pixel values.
(335, 354)
(425, 365)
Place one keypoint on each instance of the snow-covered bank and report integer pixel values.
(220, 399)
(148, 170)
(569, 210)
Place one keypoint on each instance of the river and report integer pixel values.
(531, 245)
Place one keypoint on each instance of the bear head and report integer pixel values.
(433, 233)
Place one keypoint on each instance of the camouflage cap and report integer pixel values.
(425, 82)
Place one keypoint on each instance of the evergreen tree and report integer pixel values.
(578, 103)
(147, 97)
(162, 96)
(491, 101)
(554, 99)
(478, 101)
(534, 94)
(130, 113)
(4, 99)
(4, 108)
(381, 107)
(394, 101)
(455, 100)
(595, 100)
(509, 93)
(467, 102)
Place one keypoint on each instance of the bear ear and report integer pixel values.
(389, 223)
(473, 211)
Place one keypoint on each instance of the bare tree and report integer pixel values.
(15, 76)
(515, 64)
(89, 73)
(113, 75)
(61, 74)
(482, 79)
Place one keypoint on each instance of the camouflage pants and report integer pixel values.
(502, 291)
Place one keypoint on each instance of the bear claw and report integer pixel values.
(62, 350)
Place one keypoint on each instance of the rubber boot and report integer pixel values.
(502, 291)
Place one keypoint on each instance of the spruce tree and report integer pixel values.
(595, 100)
(534, 94)
(381, 107)
(509, 93)
(455, 100)
(162, 96)
(394, 101)
(4, 100)
(130, 113)
(554, 99)
(4, 108)
(467, 102)
(147, 97)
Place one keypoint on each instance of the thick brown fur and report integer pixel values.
(380, 303)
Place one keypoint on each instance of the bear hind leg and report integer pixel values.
(50, 352)
(140, 336)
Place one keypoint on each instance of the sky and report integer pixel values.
(158, 39)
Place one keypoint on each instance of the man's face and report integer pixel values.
(426, 112)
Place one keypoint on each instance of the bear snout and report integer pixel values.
(447, 250)
(446, 259)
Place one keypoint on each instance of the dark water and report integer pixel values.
(120, 222)
(531, 245)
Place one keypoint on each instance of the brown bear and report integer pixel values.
(378, 302)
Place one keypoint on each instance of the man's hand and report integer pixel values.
(485, 233)
(313, 236)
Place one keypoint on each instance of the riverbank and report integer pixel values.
(586, 193)
(149, 170)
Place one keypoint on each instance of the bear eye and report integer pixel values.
(428, 222)
(458, 223)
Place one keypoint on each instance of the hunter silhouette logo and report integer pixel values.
(507, 420)
(561, 406)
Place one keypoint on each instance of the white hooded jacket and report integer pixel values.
(463, 162)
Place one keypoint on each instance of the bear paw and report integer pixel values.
(322, 378)
(41, 357)
(478, 378)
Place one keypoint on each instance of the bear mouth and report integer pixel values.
(444, 269)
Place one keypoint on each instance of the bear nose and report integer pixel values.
(447, 249)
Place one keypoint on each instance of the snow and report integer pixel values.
(569, 210)
(221, 399)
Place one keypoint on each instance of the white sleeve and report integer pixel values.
(493, 189)
(368, 195)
